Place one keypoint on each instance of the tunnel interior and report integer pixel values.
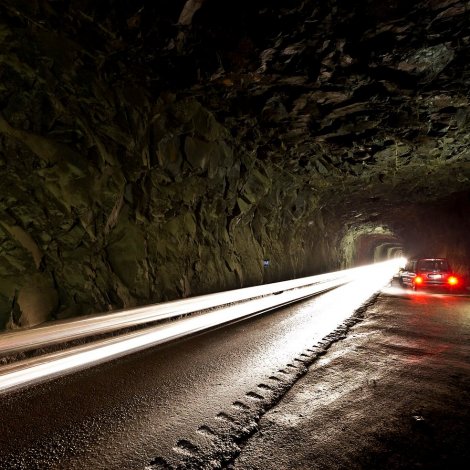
(156, 150)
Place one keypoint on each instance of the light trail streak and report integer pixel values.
(31, 371)
(69, 330)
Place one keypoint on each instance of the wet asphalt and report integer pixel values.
(193, 403)
(393, 394)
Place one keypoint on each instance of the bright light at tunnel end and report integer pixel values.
(401, 262)
(379, 273)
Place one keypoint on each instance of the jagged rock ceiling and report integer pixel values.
(151, 150)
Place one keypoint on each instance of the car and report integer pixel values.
(428, 273)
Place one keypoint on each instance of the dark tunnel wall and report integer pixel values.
(145, 158)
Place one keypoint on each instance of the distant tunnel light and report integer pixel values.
(377, 274)
(402, 261)
(452, 280)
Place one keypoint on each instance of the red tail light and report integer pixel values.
(452, 280)
(418, 280)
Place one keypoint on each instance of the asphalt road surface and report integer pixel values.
(192, 401)
(393, 394)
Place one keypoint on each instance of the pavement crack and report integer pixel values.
(240, 406)
(276, 379)
(265, 387)
(159, 463)
(292, 366)
(254, 396)
(186, 447)
(206, 431)
(302, 362)
(227, 418)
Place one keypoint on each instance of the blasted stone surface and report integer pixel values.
(147, 154)
(393, 394)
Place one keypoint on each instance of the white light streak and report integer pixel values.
(36, 370)
(68, 330)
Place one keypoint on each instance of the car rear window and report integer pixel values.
(433, 265)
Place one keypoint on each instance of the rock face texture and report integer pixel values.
(153, 150)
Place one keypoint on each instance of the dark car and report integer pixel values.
(428, 272)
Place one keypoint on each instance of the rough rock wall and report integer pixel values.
(111, 197)
(156, 207)
(144, 159)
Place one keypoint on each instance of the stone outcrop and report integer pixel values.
(142, 159)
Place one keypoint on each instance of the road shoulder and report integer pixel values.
(393, 394)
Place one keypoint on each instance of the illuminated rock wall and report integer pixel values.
(143, 160)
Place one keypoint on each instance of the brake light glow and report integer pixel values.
(452, 280)
(418, 280)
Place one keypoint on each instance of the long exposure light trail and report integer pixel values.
(69, 330)
(45, 367)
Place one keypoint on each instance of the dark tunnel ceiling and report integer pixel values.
(150, 150)
(372, 97)
(377, 91)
